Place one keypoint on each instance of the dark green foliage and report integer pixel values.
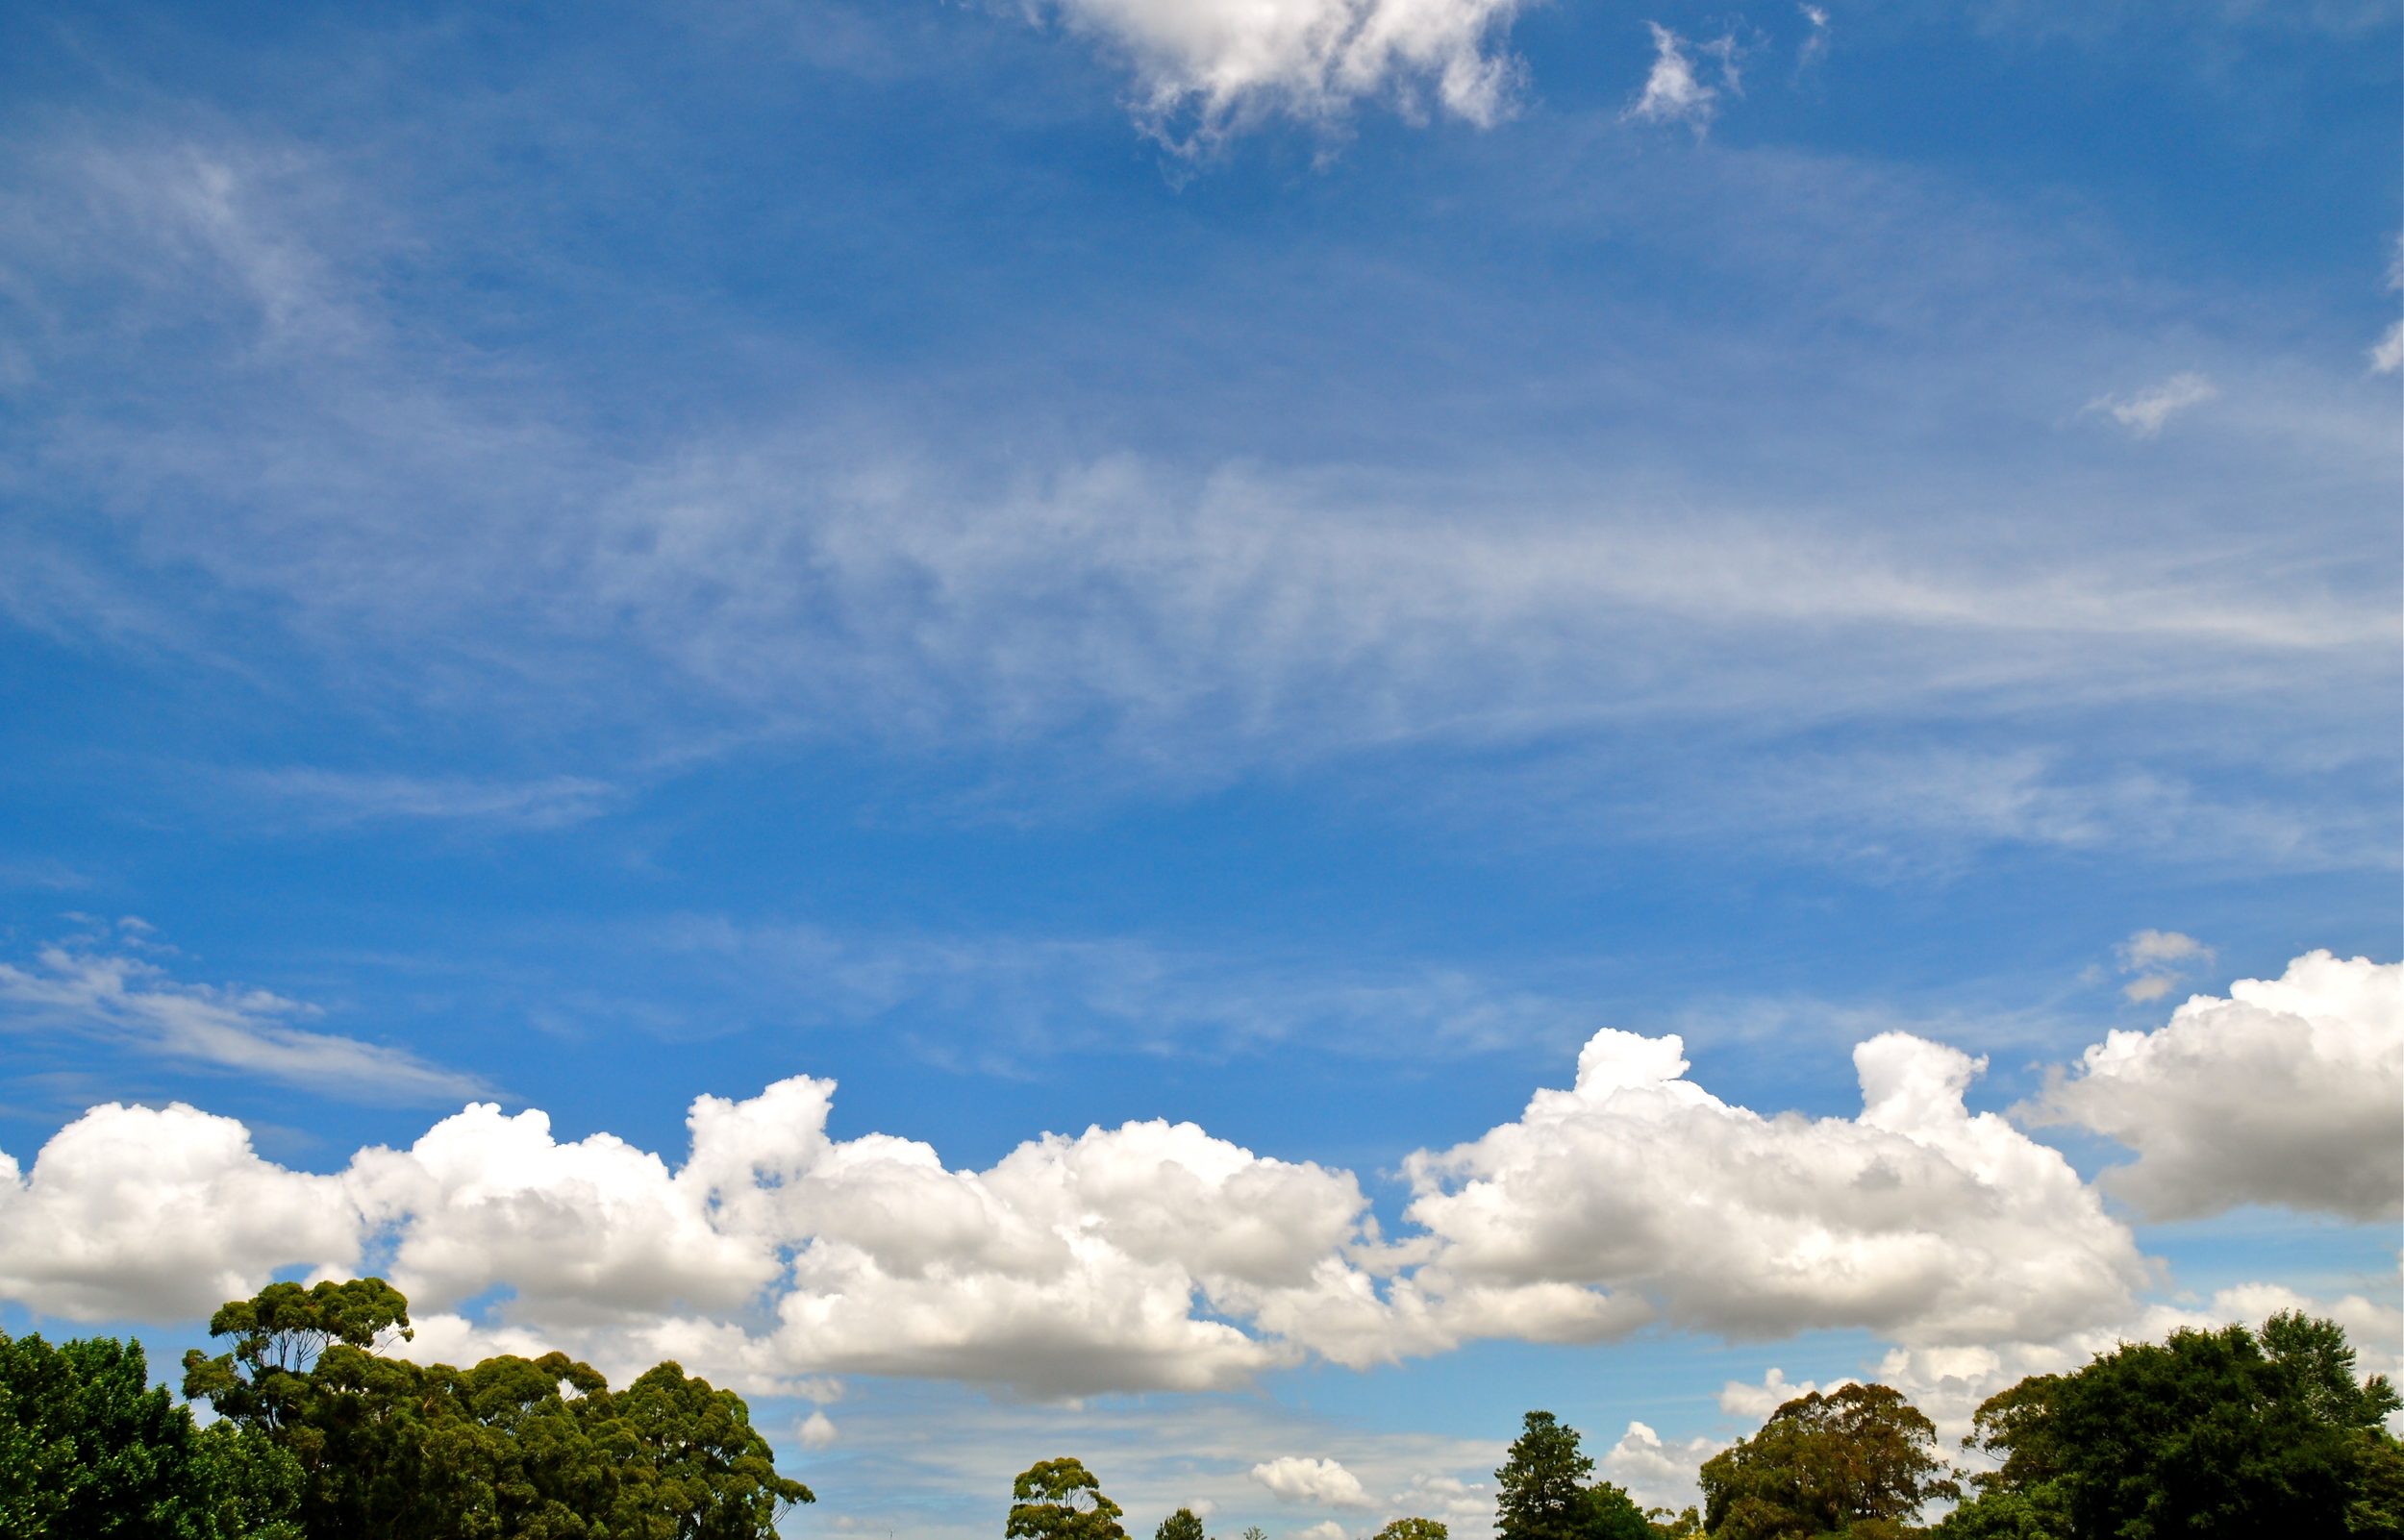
(1060, 1500)
(1542, 1491)
(1540, 1486)
(1611, 1514)
(1860, 1460)
(1412, 1530)
(2227, 1432)
(1182, 1525)
(514, 1449)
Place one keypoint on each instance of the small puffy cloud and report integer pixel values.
(2159, 958)
(1757, 1402)
(1295, 1479)
(2145, 412)
(1223, 60)
(1324, 1529)
(2291, 1092)
(134, 1003)
(160, 1214)
(1436, 1496)
(1659, 1473)
(817, 1432)
(1672, 93)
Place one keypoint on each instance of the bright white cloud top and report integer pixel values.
(1155, 1256)
(1221, 60)
(2289, 1092)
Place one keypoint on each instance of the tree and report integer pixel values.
(1540, 1484)
(1412, 1530)
(539, 1448)
(1611, 1514)
(2208, 1433)
(88, 1449)
(1181, 1524)
(1060, 1500)
(1859, 1460)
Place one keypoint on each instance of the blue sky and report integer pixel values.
(1273, 568)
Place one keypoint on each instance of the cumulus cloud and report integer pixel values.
(2145, 412)
(1757, 1402)
(1296, 1480)
(1221, 60)
(1155, 1256)
(134, 1003)
(1917, 1219)
(2291, 1092)
(136, 1213)
(1657, 1473)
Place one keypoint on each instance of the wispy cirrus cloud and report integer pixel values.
(2145, 413)
(137, 1006)
(332, 798)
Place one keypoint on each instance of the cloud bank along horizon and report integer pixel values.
(1154, 1256)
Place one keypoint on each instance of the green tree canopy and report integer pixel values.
(1181, 1524)
(1540, 1484)
(1414, 1530)
(2209, 1432)
(88, 1449)
(1860, 1460)
(1060, 1500)
(539, 1448)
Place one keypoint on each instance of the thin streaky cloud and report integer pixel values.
(134, 1005)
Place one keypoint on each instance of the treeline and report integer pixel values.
(2210, 1435)
(2233, 1434)
(319, 1436)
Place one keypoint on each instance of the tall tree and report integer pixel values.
(1060, 1500)
(1541, 1490)
(1860, 1460)
(1412, 1530)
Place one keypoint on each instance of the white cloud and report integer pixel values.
(2291, 1092)
(2159, 958)
(1757, 1402)
(2387, 355)
(1671, 92)
(133, 1003)
(1221, 60)
(1324, 1529)
(1432, 1494)
(1916, 1220)
(2145, 413)
(1296, 1480)
(1815, 43)
(1659, 1473)
(139, 1213)
(1154, 1256)
(817, 1430)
